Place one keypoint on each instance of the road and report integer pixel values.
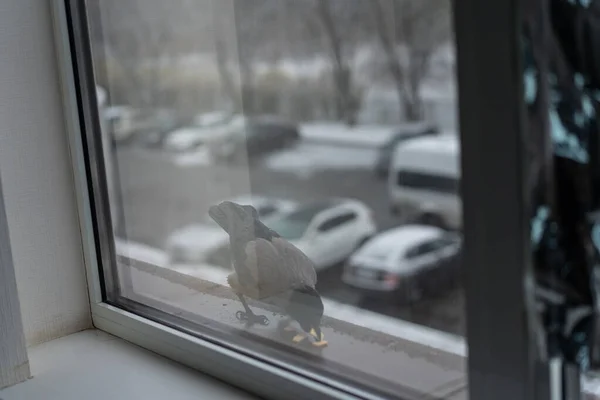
(160, 197)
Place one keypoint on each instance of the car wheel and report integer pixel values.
(412, 293)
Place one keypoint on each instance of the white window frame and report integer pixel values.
(14, 363)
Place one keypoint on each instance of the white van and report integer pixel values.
(424, 181)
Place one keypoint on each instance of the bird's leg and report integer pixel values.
(249, 316)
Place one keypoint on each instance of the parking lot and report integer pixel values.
(161, 195)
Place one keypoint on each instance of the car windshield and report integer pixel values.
(379, 254)
(290, 228)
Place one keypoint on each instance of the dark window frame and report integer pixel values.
(502, 361)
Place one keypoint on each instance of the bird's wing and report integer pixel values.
(300, 269)
(263, 257)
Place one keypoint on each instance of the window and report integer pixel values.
(445, 242)
(430, 247)
(338, 70)
(336, 222)
(201, 59)
(422, 249)
(424, 181)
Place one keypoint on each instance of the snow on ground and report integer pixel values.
(205, 272)
(305, 159)
(324, 146)
(154, 256)
(336, 133)
(141, 252)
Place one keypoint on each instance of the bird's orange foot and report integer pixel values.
(311, 339)
(321, 342)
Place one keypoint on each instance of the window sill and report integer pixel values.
(426, 367)
(95, 365)
(417, 367)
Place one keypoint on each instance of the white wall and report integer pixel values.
(37, 178)
(14, 364)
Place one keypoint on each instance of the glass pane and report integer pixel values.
(238, 130)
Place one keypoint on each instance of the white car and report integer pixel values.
(199, 242)
(212, 136)
(424, 181)
(329, 231)
(408, 261)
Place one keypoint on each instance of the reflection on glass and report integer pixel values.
(289, 170)
(269, 268)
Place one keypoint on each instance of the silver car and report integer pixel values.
(408, 262)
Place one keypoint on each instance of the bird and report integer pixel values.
(270, 269)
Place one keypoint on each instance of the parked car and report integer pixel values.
(407, 132)
(126, 122)
(424, 181)
(328, 232)
(257, 137)
(408, 262)
(214, 118)
(210, 135)
(185, 139)
(120, 121)
(207, 242)
(153, 137)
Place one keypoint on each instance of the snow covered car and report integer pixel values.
(210, 135)
(409, 262)
(258, 136)
(328, 231)
(207, 242)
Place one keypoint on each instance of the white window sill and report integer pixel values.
(95, 365)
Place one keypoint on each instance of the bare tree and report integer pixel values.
(139, 38)
(223, 27)
(409, 32)
(347, 99)
(243, 33)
